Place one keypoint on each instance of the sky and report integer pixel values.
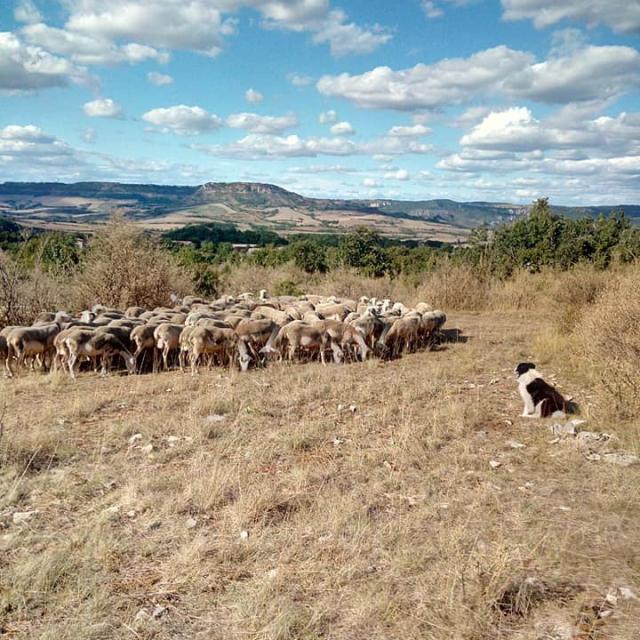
(494, 100)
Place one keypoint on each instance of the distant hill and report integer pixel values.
(246, 204)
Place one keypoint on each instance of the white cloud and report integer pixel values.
(299, 79)
(342, 129)
(159, 79)
(196, 25)
(183, 119)
(470, 116)
(25, 67)
(260, 146)
(370, 182)
(165, 24)
(586, 74)
(89, 135)
(516, 130)
(255, 123)
(448, 81)
(29, 144)
(347, 38)
(589, 73)
(253, 97)
(415, 131)
(103, 108)
(328, 117)
(27, 12)
(621, 15)
(90, 49)
(400, 174)
(431, 9)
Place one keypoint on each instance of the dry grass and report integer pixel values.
(385, 522)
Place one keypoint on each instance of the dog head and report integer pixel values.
(523, 367)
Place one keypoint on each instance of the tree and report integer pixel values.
(362, 250)
(309, 256)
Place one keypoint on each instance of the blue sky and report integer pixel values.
(466, 99)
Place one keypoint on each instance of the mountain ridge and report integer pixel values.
(248, 204)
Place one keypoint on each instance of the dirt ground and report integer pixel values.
(378, 500)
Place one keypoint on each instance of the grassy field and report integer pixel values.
(300, 501)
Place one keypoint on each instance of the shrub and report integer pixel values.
(124, 267)
(609, 336)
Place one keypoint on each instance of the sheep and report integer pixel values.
(167, 338)
(61, 356)
(24, 342)
(299, 334)
(134, 312)
(93, 346)
(142, 337)
(255, 336)
(213, 341)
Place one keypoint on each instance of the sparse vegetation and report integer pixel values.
(268, 508)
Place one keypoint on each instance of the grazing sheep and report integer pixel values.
(104, 345)
(212, 341)
(167, 337)
(29, 342)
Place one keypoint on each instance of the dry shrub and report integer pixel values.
(609, 336)
(25, 293)
(124, 268)
(575, 292)
(456, 287)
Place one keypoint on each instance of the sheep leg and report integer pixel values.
(338, 354)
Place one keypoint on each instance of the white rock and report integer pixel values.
(191, 523)
(131, 514)
(112, 511)
(627, 594)
(621, 459)
(158, 611)
(594, 457)
(147, 449)
(567, 429)
(516, 445)
(22, 516)
(136, 437)
(340, 407)
(353, 408)
(244, 535)
(216, 417)
(337, 442)
(494, 464)
(171, 440)
(271, 574)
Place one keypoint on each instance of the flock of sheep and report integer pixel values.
(244, 329)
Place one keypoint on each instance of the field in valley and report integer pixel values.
(401, 499)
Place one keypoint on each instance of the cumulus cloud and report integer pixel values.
(585, 74)
(621, 15)
(588, 73)
(414, 131)
(342, 129)
(424, 86)
(159, 79)
(24, 67)
(400, 174)
(253, 97)
(261, 146)
(328, 117)
(103, 108)
(369, 182)
(29, 146)
(569, 143)
(516, 130)
(255, 123)
(347, 38)
(86, 48)
(183, 119)
(299, 79)
(198, 25)
(26, 11)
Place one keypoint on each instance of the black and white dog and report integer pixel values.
(541, 400)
